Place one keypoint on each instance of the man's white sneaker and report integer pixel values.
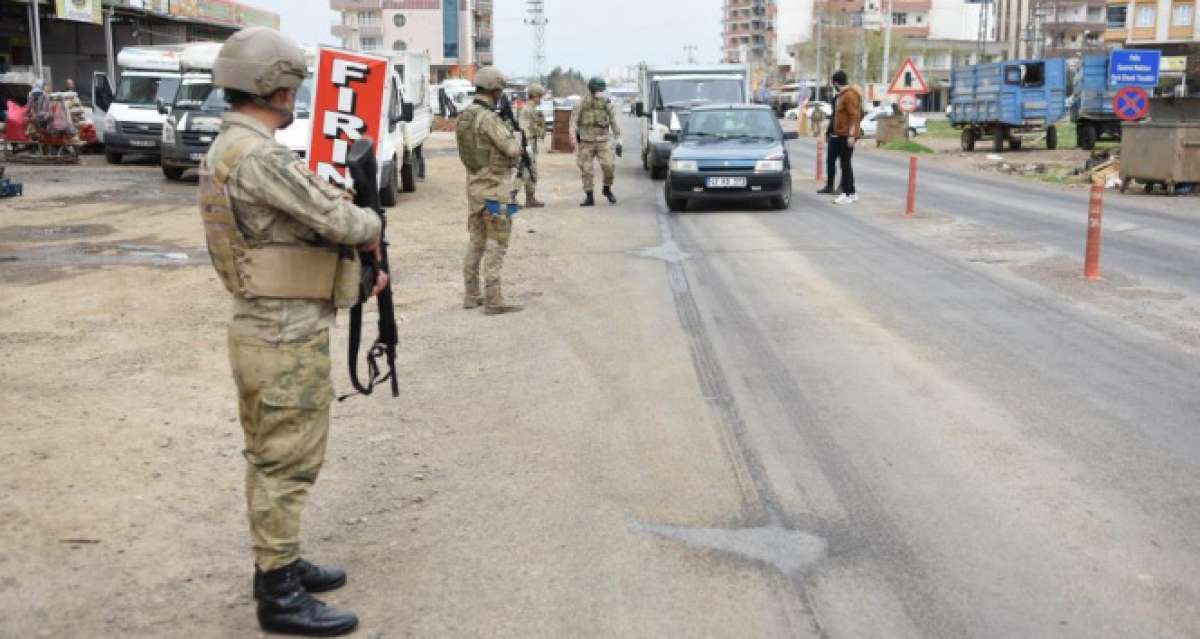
(846, 199)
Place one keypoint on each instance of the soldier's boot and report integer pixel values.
(285, 606)
(589, 200)
(612, 199)
(532, 202)
(472, 298)
(495, 304)
(316, 578)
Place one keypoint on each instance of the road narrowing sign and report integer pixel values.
(1131, 103)
(908, 79)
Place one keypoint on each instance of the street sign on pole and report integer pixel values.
(908, 79)
(908, 102)
(1131, 103)
(1134, 68)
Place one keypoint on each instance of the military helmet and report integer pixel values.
(490, 79)
(259, 61)
(597, 83)
(536, 90)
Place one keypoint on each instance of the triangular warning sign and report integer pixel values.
(908, 79)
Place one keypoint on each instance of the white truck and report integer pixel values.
(667, 94)
(194, 117)
(453, 96)
(407, 122)
(128, 119)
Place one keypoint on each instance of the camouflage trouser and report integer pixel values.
(529, 178)
(584, 156)
(489, 244)
(284, 392)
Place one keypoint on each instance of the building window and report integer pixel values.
(399, 20)
(368, 44)
(1116, 16)
(899, 18)
(368, 17)
(1145, 17)
(1181, 15)
(399, 45)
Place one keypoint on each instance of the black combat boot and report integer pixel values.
(589, 200)
(612, 199)
(285, 606)
(316, 578)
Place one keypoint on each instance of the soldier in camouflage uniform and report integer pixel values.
(533, 124)
(591, 122)
(490, 151)
(275, 233)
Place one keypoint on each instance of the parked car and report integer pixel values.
(825, 107)
(730, 152)
(917, 124)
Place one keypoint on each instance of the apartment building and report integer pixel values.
(1153, 22)
(457, 34)
(1070, 28)
(749, 31)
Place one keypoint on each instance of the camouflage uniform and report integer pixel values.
(279, 348)
(489, 233)
(591, 123)
(533, 124)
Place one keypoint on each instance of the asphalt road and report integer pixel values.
(936, 427)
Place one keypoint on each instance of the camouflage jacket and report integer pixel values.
(493, 182)
(587, 133)
(277, 199)
(532, 122)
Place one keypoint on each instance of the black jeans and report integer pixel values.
(839, 146)
(831, 159)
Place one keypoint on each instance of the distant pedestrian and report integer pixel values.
(845, 130)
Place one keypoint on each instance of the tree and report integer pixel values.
(564, 82)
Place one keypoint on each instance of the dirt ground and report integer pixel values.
(492, 498)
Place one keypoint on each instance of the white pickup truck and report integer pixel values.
(917, 124)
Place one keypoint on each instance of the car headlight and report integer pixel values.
(110, 124)
(168, 134)
(768, 166)
(684, 165)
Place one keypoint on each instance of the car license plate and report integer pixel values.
(142, 143)
(196, 157)
(725, 182)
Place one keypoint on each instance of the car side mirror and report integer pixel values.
(162, 106)
(791, 135)
(639, 109)
(671, 137)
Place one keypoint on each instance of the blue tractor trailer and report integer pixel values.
(1009, 101)
(1097, 83)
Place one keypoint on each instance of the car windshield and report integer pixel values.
(215, 101)
(741, 124)
(192, 95)
(146, 90)
(694, 92)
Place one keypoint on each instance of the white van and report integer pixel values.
(407, 122)
(194, 117)
(453, 96)
(128, 118)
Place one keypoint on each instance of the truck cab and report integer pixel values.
(668, 94)
(128, 114)
(193, 118)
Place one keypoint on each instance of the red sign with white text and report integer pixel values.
(347, 105)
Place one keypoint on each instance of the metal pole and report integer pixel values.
(36, 41)
(108, 45)
(887, 43)
(820, 79)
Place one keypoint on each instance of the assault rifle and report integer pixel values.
(361, 162)
(506, 114)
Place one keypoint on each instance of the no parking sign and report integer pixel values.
(1131, 103)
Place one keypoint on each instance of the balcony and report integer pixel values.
(483, 7)
(354, 5)
(363, 31)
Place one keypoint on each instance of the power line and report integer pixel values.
(537, 20)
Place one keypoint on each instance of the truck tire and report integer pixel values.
(113, 158)
(998, 135)
(408, 179)
(173, 172)
(1052, 137)
(1085, 136)
(387, 193)
(419, 154)
(968, 139)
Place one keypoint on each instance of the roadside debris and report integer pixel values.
(8, 188)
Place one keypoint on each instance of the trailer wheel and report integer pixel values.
(112, 158)
(1125, 184)
(1015, 144)
(968, 139)
(998, 136)
(1085, 137)
(1052, 137)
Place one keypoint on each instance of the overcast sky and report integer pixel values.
(590, 36)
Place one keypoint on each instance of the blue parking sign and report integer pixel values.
(1133, 68)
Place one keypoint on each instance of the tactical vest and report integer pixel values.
(474, 156)
(251, 269)
(594, 113)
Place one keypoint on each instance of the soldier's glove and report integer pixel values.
(619, 149)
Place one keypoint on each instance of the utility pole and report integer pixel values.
(885, 70)
(108, 44)
(537, 20)
(35, 42)
(820, 78)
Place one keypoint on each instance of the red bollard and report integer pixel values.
(910, 205)
(1091, 261)
(820, 159)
